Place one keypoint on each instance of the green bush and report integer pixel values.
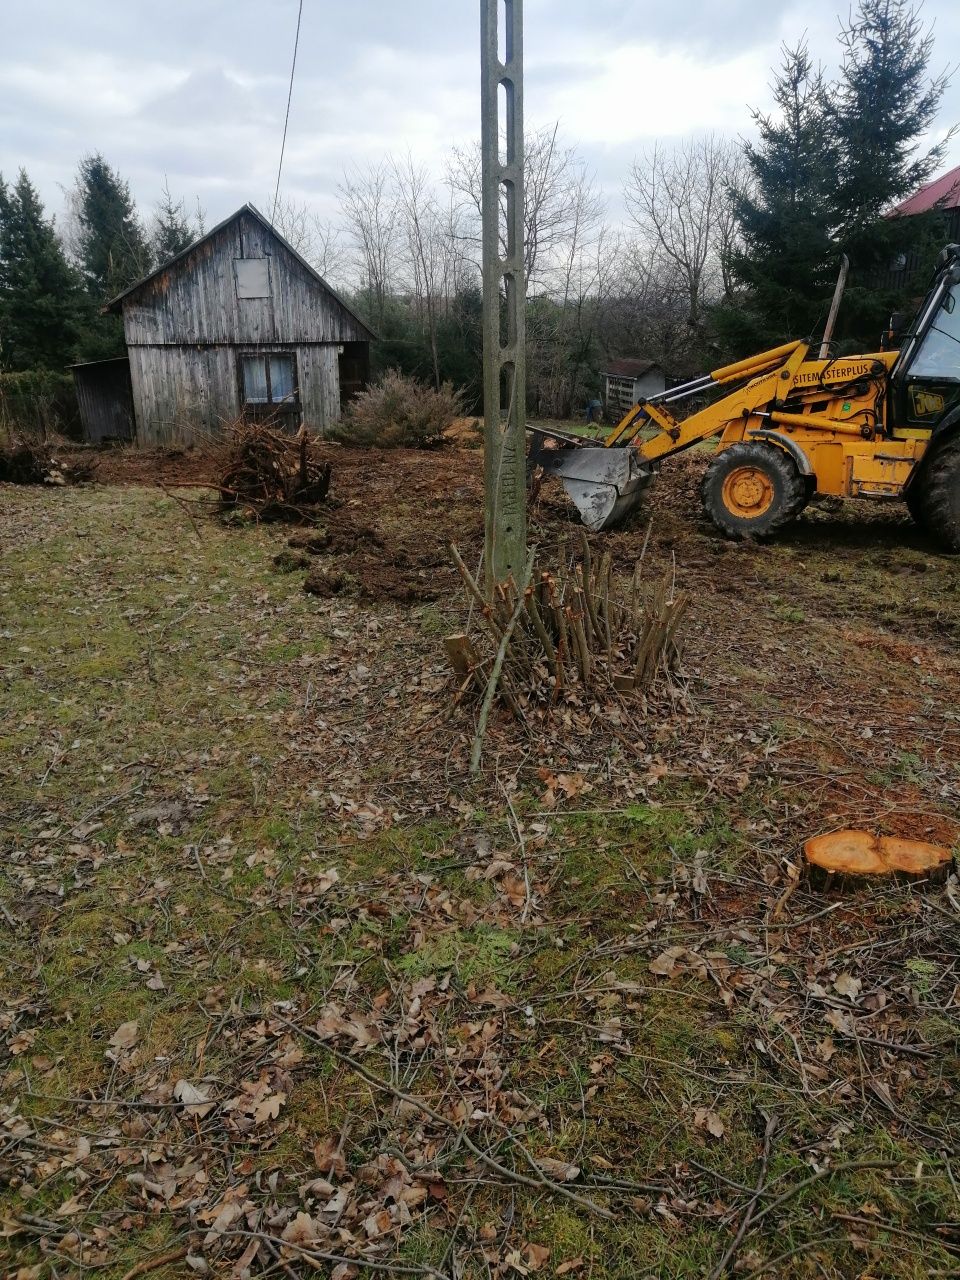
(400, 411)
(38, 403)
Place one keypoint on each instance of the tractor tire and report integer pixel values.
(939, 494)
(752, 489)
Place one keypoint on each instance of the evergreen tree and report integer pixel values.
(830, 163)
(884, 103)
(174, 230)
(785, 260)
(42, 302)
(114, 250)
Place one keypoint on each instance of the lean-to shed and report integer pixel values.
(239, 324)
(627, 381)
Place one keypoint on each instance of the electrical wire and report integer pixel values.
(286, 119)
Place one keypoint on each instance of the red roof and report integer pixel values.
(941, 193)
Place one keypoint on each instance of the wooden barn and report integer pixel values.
(236, 325)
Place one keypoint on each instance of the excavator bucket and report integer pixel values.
(605, 485)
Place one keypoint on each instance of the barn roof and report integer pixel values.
(116, 304)
(629, 367)
(941, 193)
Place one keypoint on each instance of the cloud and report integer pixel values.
(197, 92)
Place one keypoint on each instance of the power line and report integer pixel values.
(286, 119)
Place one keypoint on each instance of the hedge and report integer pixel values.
(39, 402)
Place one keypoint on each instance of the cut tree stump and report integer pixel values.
(845, 859)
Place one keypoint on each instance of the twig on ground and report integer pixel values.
(540, 1183)
(154, 1264)
(769, 1130)
(317, 1255)
(852, 1166)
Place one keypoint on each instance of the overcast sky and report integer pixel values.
(196, 89)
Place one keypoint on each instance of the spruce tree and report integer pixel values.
(114, 250)
(785, 260)
(883, 104)
(829, 165)
(174, 230)
(43, 306)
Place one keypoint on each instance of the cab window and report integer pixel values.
(939, 353)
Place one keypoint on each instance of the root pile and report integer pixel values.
(273, 475)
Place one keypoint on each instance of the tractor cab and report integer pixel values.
(925, 381)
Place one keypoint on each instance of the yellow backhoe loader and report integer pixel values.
(884, 425)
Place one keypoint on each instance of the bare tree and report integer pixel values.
(555, 179)
(647, 309)
(369, 205)
(564, 325)
(317, 239)
(428, 248)
(680, 202)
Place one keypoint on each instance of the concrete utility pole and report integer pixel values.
(504, 374)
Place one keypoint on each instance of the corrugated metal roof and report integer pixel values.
(629, 367)
(116, 304)
(941, 193)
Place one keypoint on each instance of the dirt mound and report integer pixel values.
(465, 433)
(36, 462)
(403, 564)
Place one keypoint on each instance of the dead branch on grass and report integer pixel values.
(768, 1132)
(538, 1181)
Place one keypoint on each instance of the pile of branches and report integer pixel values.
(273, 475)
(26, 461)
(576, 630)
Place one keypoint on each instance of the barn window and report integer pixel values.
(268, 383)
(252, 276)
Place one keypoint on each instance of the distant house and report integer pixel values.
(940, 197)
(238, 325)
(628, 380)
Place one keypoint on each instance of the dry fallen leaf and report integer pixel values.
(302, 1230)
(329, 1157)
(559, 1170)
(125, 1036)
(70, 1207)
(536, 1255)
(269, 1108)
(572, 1264)
(826, 1049)
(665, 963)
(704, 1118)
(196, 1100)
(514, 1260)
(21, 1042)
(572, 784)
(847, 985)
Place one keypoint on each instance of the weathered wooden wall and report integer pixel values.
(186, 328)
(186, 394)
(195, 300)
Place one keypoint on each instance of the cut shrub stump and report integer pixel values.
(848, 859)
